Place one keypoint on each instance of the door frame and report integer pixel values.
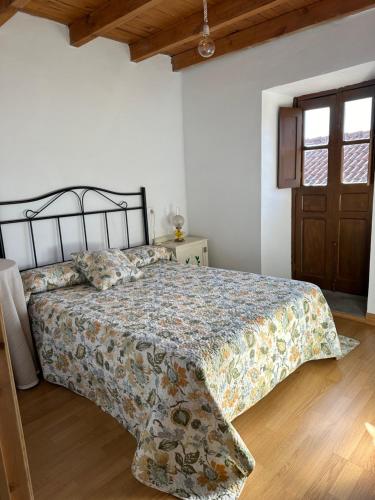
(319, 95)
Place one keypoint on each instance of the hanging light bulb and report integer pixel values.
(206, 46)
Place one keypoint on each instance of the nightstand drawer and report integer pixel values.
(192, 250)
(196, 255)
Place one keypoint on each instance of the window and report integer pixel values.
(315, 146)
(337, 135)
(357, 119)
(356, 141)
(327, 140)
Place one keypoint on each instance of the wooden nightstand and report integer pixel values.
(193, 250)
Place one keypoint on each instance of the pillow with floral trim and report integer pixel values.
(148, 254)
(50, 277)
(106, 268)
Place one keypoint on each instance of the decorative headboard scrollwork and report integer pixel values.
(34, 215)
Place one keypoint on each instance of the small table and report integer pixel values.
(12, 300)
(193, 250)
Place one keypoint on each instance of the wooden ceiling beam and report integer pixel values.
(221, 15)
(111, 15)
(16, 4)
(6, 14)
(8, 8)
(319, 12)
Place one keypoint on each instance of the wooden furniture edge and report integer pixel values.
(13, 453)
(4, 487)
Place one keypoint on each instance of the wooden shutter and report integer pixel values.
(290, 148)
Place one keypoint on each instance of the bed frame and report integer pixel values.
(32, 216)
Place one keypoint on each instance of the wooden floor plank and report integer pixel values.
(307, 436)
(346, 483)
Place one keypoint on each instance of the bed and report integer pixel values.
(176, 356)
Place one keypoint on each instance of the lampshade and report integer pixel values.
(178, 220)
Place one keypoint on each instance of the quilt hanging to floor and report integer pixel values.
(176, 356)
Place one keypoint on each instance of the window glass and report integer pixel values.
(316, 127)
(357, 119)
(315, 167)
(355, 163)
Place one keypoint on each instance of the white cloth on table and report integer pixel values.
(12, 300)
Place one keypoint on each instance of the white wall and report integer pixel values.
(223, 146)
(87, 116)
(276, 203)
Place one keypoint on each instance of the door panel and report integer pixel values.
(354, 202)
(311, 235)
(314, 247)
(314, 203)
(311, 203)
(332, 210)
(352, 268)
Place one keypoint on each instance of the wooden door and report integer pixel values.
(332, 210)
(353, 181)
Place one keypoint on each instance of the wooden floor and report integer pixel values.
(307, 436)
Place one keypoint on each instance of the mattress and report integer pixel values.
(176, 356)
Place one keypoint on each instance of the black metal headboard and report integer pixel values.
(33, 216)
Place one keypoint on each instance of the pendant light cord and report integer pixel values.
(206, 46)
(205, 11)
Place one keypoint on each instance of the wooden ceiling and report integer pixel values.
(173, 27)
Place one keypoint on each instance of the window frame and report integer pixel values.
(336, 99)
(318, 102)
(355, 95)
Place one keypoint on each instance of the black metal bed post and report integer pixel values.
(145, 215)
(2, 249)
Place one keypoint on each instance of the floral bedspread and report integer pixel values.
(176, 356)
